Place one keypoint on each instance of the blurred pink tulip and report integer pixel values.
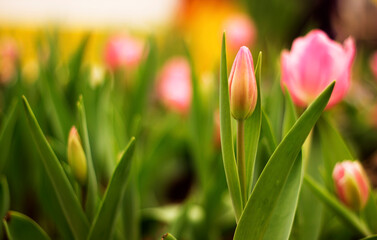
(373, 64)
(123, 51)
(242, 85)
(313, 63)
(174, 85)
(9, 54)
(351, 184)
(240, 31)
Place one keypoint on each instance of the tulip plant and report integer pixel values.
(143, 148)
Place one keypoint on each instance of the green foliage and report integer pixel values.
(263, 199)
(66, 196)
(229, 161)
(103, 223)
(20, 227)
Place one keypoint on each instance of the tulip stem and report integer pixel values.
(241, 159)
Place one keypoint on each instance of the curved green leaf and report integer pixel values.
(262, 202)
(252, 130)
(229, 161)
(63, 189)
(92, 195)
(309, 215)
(20, 227)
(284, 213)
(103, 223)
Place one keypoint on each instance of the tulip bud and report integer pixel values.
(242, 85)
(351, 184)
(76, 156)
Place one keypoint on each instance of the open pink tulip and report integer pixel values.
(123, 51)
(174, 85)
(373, 64)
(313, 63)
(242, 85)
(351, 184)
(240, 31)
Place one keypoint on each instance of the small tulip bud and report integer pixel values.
(351, 184)
(242, 85)
(76, 156)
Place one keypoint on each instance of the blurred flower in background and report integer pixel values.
(174, 85)
(123, 51)
(9, 54)
(313, 63)
(373, 64)
(240, 31)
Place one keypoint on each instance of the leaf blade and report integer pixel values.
(92, 195)
(258, 210)
(103, 223)
(252, 130)
(66, 196)
(19, 227)
(229, 162)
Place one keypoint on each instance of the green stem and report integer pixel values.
(241, 160)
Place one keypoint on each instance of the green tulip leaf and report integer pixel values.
(20, 227)
(68, 200)
(284, 213)
(262, 203)
(229, 161)
(92, 195)
(309, 215)
(103, 223)
(253, 129)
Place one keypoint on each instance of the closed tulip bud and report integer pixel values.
(242, 85)
(76, 156)
(351, 184)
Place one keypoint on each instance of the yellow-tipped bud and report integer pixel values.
(242, 85)
(76, 156)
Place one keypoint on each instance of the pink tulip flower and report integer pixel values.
(313, 63)
(240, 31)
(351, 184)
(242, 85)
(174, 85)
(123, 51)
(373, 64)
